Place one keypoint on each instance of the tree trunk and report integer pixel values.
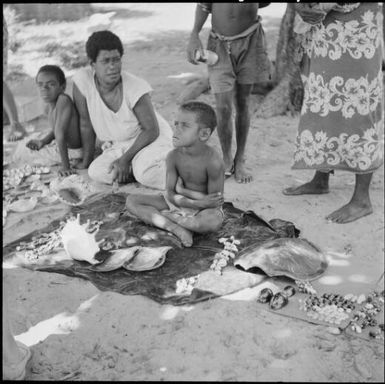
(287, 93)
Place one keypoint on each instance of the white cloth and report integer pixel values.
(121, 128)
(49, 155)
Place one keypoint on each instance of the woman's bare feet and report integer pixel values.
(318, 185)
(350, 212)
(240, 173)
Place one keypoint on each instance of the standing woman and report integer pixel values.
(115, 106)
(342, 118)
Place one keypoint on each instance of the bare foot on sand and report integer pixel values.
(350, 212)
(309, 188)
(185, 236)
(229, 167)
(240, 173)
(17, 133)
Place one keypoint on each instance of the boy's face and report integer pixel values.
(49, 86)
(108, 66)
(186, 130)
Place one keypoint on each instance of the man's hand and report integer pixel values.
(308, 14)
(194, 45)
(121, 171)
(64, 172)
(35, 145)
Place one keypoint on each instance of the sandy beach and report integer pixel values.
(77, 332)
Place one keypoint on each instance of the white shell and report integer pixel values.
(117, 259)
(147, 258)
(78, 243)
(23, 205)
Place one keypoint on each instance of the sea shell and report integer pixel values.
(23, 205)
(296, 258)
(147, 258)
(265, 295)
(78, 243)
(70, 196)
(289, 291)
(116, 259)
(278, 301)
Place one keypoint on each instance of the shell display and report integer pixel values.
(23, 205)
(116, 259)
(295, 258)
(78, 243)
(278, 301)
(147, 258)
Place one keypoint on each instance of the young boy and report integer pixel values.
(193, 198)
(63, 119)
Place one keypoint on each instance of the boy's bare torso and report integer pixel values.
(230, 19)
(193, 168)
(73, 132)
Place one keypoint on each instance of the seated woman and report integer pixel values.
(115, 107)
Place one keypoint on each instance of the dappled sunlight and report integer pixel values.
(170, 311)
(282, 333)
(334, 262)
(357, 278)
(61, 324)
(330, 280)
(342, 255)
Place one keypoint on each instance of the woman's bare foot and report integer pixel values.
(240, 173)
(309, 188)
(350, 212)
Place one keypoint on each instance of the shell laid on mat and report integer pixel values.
(295, 258)
(116, 259)
(147, 258)
(78, 243)
(23, 205)
(70, 196)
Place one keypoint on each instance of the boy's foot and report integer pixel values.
(240, 173)
(350, 212)
(185, 236)
(306, 189)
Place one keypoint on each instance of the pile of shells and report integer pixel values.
(278, 300)
(186, 284)
(222, 258)
(305, 287)
(13, 177)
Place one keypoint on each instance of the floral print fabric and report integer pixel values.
(342, 116)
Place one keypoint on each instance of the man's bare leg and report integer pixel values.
(359, 205)
(147, 208)
(242, 126)
(319, 185)
(225, 127)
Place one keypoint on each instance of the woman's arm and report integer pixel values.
(86, 129)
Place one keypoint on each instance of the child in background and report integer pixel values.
(194, 180)
(64, 123)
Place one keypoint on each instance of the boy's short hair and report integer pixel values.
(205, 114)
(54, 69)
(102, 40)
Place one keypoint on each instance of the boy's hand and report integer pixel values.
(213, 200)
(35, 145)
(66, 172)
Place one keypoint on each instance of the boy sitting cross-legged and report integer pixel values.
(193, 198)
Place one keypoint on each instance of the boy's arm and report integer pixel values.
(86, 130)
(61, 123)
(215, 175)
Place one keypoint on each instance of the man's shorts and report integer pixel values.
(243, 60)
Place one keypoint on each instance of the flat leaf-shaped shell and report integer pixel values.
(23, 205)
(296, 258)
(147, 258)
(116, 259)
(71, 196)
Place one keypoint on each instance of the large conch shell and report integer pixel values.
(147, 258)
(78, 243)
(23, 205)
(295, 258)
(116, 259)
(71, 190)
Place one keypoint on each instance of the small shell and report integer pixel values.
(361, 299)
(116, 259)
(278, 301)
(289, 291)
(265, 295)
(23, 205)
(147, 258)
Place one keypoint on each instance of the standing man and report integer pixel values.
(238, 39)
